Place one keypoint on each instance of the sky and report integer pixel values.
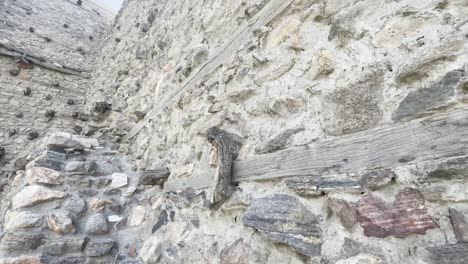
(112, 4)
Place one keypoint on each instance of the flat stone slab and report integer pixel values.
(449, 254)
(34, 259)
(283, 218)
(44, 176)
(22, 241)
(65, 245)
(119, 180)
(308, 186)
(154, 177)
(35, 194)
(407, 215)
(16, 220)
(459, 225)
(99, 247)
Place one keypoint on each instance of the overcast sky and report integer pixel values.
(112, 4)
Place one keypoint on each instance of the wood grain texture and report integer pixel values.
(17, 54)
(439, 136)
(222, 54)
(227, 147)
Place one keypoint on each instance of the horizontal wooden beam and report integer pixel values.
(15, 53)
(440, 136)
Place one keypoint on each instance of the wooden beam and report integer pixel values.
(221, 55)
(15, 53)
(227, 147)
(440, 136)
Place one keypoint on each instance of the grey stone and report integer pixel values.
(66, 245)
(68, 260)
(62, 140)
(80, 167)
(310, 186)
(361, 259)
(454, 168)
(34, 194)
(424, 99)
(96, 224)
(33, 135)
(459, 225)
(15, 220)
(279, 142)
(53, 159)
(154, 177)
(24, 259)
(77, 181)
(235, 253)
(376, 179)
(345, 211)
(282, 218)
(99, 247)
(162, 221)
(61, 223)
(22, 241)
(354, 107)
(141, 52)
(119, 180)
(449, 254)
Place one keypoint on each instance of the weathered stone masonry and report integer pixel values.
(269, 131)
(47, 52)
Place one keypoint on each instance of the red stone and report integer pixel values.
(407, 215)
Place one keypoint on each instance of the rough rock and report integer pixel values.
(454, 168)
(429, 56)
(376, 179)
(284, 219)
(310, 186)
(35, 194)
(449, 254)
(119, 180)
(362, 259)
(344, 210)
(459, 225)
(96, 224)
(137, 216)
(65, 245)
(235, 253)
(69, 260)
(98, 205)
(161, 221)
(22, 241)
(33, 259)
(99, 247)
(60, 223)
(14, 220)
(353, 108)
(279, 142)
(154, 177)
(43, 176)
(80, 167)
(53, 159)
(427, 98)
(407, 215)
(62, 140)
(75, 205)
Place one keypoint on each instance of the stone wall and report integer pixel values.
(282, 74)
(277, 79)
(47, 52)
